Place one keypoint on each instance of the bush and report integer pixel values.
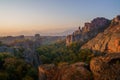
(57, 53)
(12, 68)
(27, 78)
(85, 55)
(3, 76)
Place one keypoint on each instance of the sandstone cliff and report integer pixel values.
(89, 30)
(107, 41)
(77, 71)
(106, 67)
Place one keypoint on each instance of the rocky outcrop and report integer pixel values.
(89, 30)
(77, 71)
(29, 50)
(47, 71)
(107, 41)
(106, 67)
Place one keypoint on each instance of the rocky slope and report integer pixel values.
(77, 71)
(89, 30)
(106, 67)
(101, 39)
(101, 35)
(107, 41)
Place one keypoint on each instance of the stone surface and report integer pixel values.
(107, 41)
(47, 71)
(106, 67)
(89, 30)
(77, 71)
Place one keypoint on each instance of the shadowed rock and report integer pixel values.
(106, 67)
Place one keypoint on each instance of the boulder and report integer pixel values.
(106, 67)
(76, 71)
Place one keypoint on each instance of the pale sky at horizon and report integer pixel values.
(33, 16)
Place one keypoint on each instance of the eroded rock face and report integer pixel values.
(89, 30)
(29, 53)
(106, 67)
(47, 72)
(77, 71)
(107, 41)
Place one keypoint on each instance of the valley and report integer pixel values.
(89, 53)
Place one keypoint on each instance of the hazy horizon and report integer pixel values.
(49, 17)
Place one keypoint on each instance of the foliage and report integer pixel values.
(15, 68)
(85, 55)
(1, 44)
(12, 68)
(3, 75)
(59, 53)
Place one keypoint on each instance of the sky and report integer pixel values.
(51, 16)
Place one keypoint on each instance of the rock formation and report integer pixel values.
(77, 71)
(101, 36)
(89, 30)
(29, 50)
(107, 41)
(106, 67)
(47, 71)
